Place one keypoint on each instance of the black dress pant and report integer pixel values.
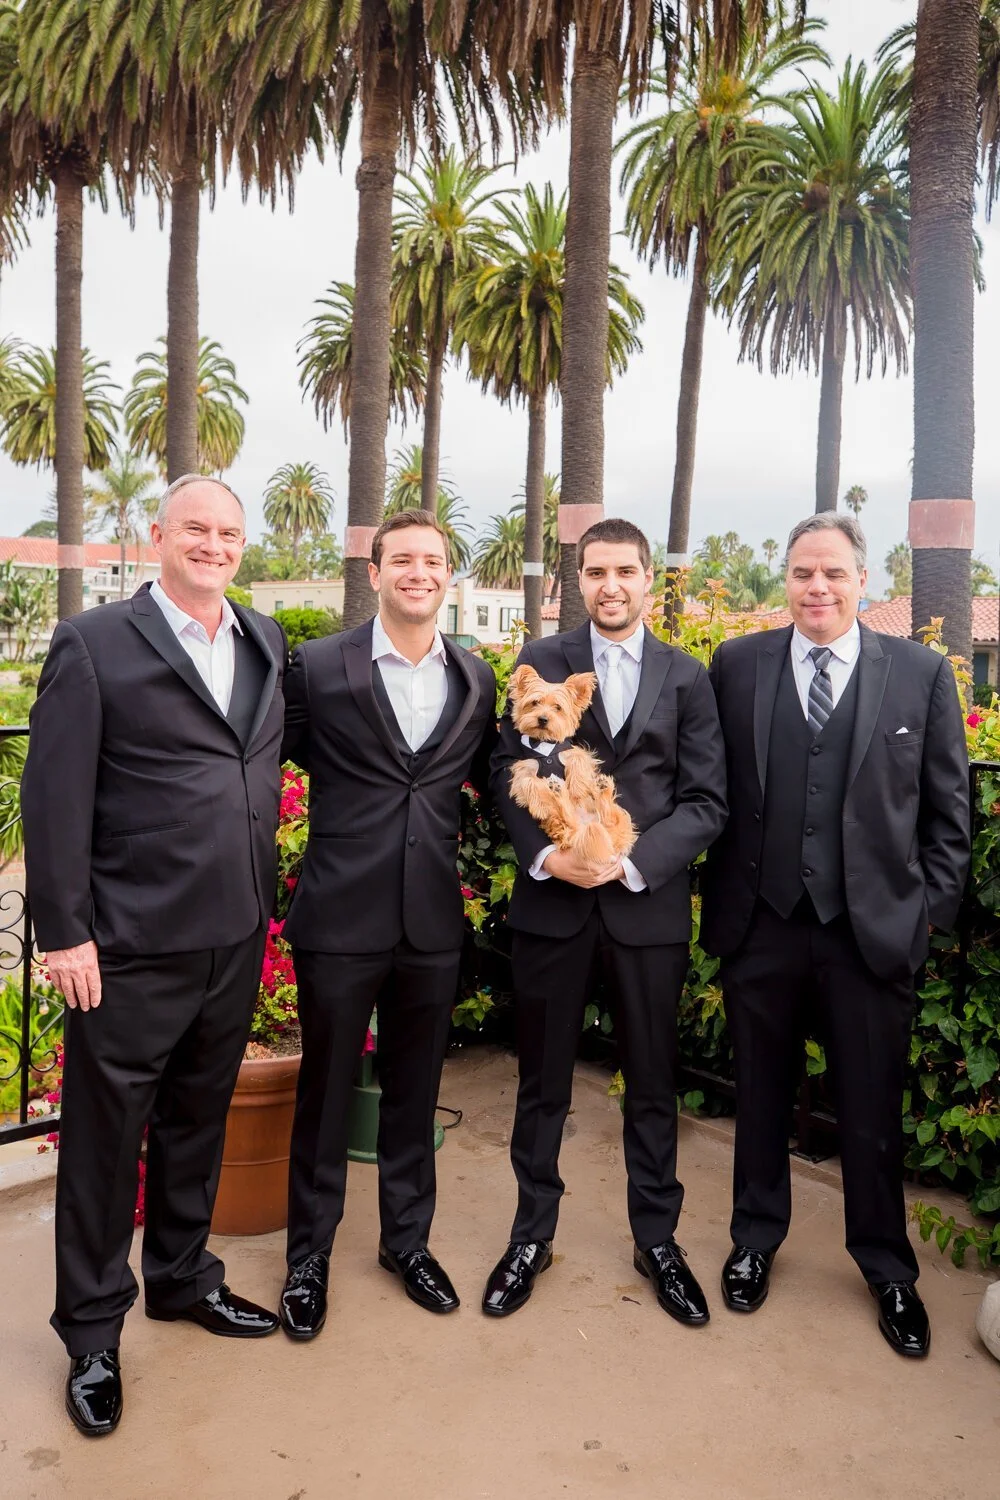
(552, 977)
(415, 993)
(162, 1049)
(789, 979)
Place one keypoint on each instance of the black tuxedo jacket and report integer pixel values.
(149, 817)
(906, 804)
(383, 837)
(669, 773)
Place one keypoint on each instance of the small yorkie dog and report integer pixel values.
(577, 809)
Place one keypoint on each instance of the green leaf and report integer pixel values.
(926, 1131)
(982, 1064)
(590, 1016)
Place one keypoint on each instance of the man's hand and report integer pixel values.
(565, 865)
(76, 973)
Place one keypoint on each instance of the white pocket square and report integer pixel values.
(904, 730)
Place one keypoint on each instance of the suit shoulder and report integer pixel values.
(682, 661)
(322, 647)
(912, 655)
(745, 647)
(101, 623)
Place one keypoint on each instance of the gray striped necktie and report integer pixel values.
(820, 690)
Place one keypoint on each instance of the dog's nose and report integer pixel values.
(542, 721)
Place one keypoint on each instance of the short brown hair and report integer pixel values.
(397, 522)
(616, 531)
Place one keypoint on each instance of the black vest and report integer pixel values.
(416, 760)
(803, 847)
(249, 676)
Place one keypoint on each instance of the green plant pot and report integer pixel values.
(362, 1125)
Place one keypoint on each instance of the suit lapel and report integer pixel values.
(657, 660)
(580, 658)
(770, 660)
(359, 667)
(151, 622)
(464, 661)
(873, 674)
(250, 625)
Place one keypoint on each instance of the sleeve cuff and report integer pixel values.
(631, 879)
(536, 872)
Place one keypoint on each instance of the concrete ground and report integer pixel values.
(590, 1391)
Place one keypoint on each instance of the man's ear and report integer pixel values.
(520, 680)
(581, 689)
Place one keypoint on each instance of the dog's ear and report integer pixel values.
(520, 681)
(581, 689)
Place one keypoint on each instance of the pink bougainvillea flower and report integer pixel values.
(974, 720)
(291, 881)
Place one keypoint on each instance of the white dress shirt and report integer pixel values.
(625, 659)
(844, 659)
(418, 694)
(215, 660)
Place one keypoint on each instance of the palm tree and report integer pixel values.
(404, 491)
(899, 566)
(508, 319)
(326, 368)
(220, 423)
(751, 585)
(770, 549)
(499, 556)
(855, 498)
(123, 500)
(30, 412)
(298, 499)
(550, 529)
(677, 168)
(812, 243)
(440, 235)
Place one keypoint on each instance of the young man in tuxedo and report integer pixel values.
(654, 726)
(389, 720)
(150, 805)
(848, 836)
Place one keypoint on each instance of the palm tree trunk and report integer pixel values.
(534, 516)
(123, 545)
(182, 315)
(679, 532)
(943, 173)
(594, 96)
(831, 401)
(380, 127)
(69, 389)
(431, 456)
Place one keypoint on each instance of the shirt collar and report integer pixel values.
(179, 620)
(382, 647)
(632, 644)
(845, 648)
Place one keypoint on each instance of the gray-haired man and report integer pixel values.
(848, 834)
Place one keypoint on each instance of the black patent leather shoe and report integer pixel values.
(746, 1277)
(677, 1289)
(424, 1281)
(902, 1318)
(94, 1392)
(221, 1312)
(302, 1309)
(513, 1277)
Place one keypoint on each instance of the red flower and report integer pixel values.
(291, 881)
(974, 720)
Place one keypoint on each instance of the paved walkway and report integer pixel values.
(590, 1392)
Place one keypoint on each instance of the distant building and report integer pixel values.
(101, 568)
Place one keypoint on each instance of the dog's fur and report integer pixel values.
(578, 811)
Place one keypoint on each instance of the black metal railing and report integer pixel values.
(30, 1021)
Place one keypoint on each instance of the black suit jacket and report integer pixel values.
(148, 823)
(906, 804)
(669, 773)
(383, 839)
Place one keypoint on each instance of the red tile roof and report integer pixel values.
(40, 552)
(887, 616)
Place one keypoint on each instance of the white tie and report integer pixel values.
(613, 701)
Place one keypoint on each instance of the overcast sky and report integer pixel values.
(260, 273)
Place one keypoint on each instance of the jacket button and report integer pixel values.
(810, 831)
(415, 787)
(807, 871)
(814, 750)
(753, 864)
(813, 790)
(411, 841)
(246, 760)
(256, 816)
(756, 817)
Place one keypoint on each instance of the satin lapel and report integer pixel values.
(151, 622)
(580, 658)
(770, 659)
(358, 666)
(657, 660)
(463, 660)
(873, 674)
(250, 625)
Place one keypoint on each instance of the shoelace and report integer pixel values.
(313, 1265)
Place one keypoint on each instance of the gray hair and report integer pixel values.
(832, 520)
(182, 483)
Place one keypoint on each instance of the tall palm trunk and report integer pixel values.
(123, 545)
(942, 175)
(593, 98)
(431, 456)
(831, 404)
(679, 532)
(380, 127)
(69, 388)
(534, 516)
(182, 315)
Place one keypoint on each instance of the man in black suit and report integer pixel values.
(654, 726)
(389, 720)
(150, 804)
(848, 836)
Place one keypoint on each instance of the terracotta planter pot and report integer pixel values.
(253, 1188)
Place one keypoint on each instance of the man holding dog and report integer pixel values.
(848, 834)
(654, 727)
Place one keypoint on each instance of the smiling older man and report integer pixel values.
(150, 801)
